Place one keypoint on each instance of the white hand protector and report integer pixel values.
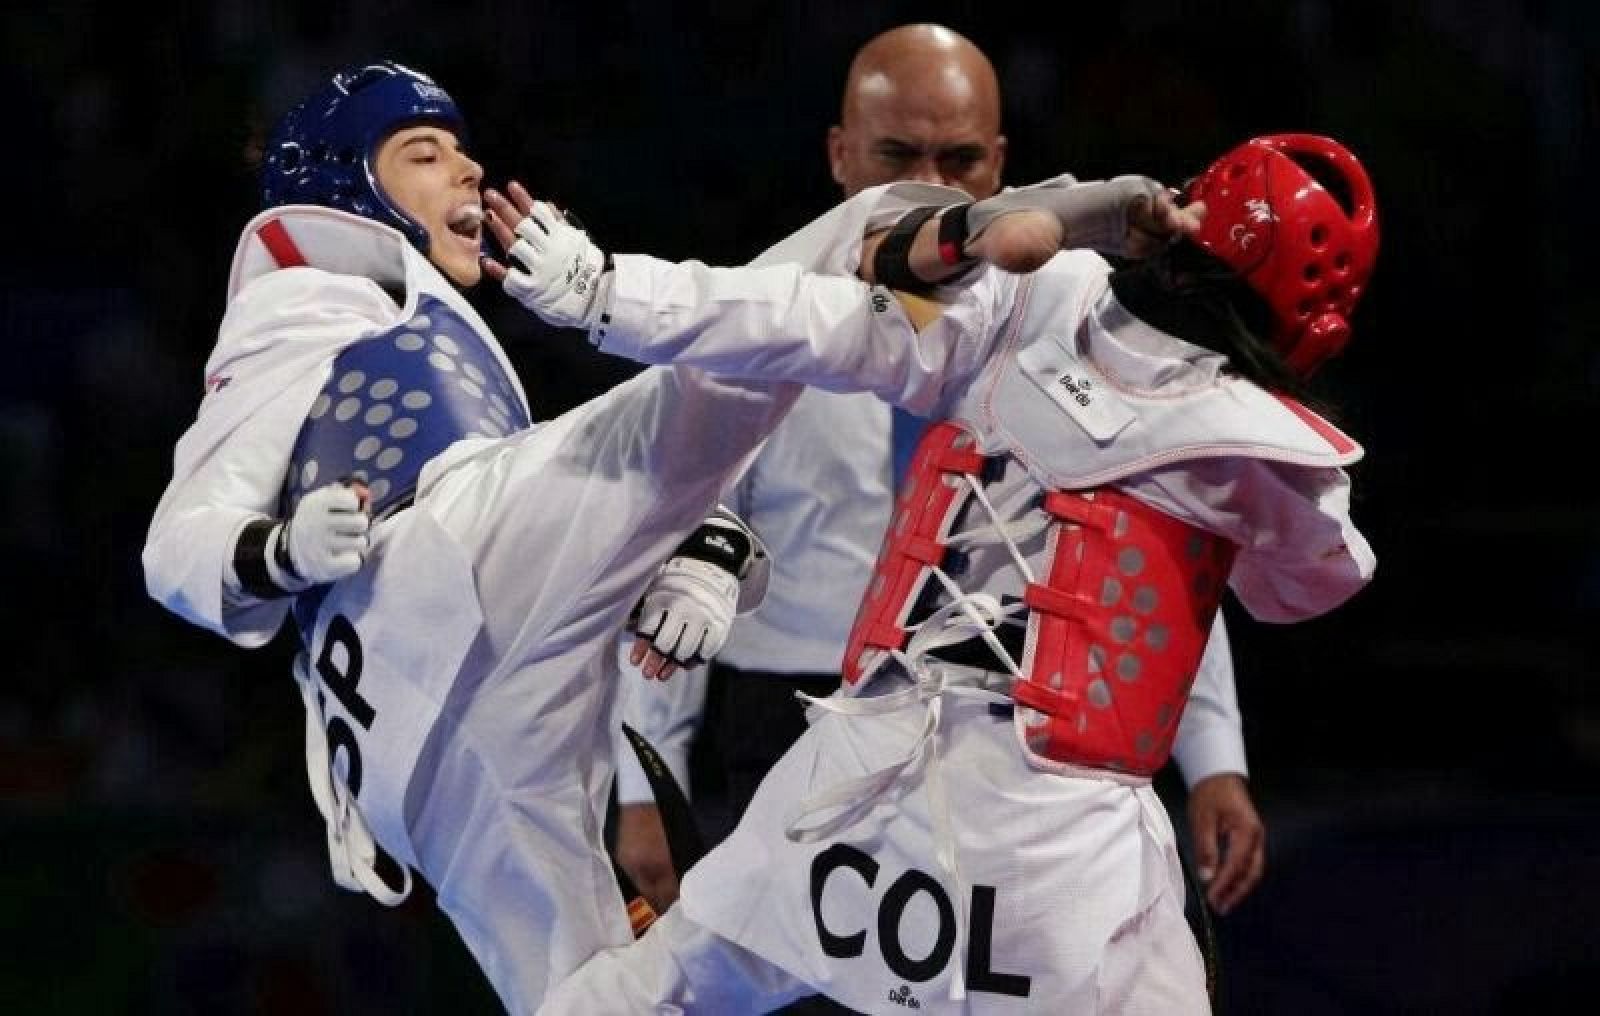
(1097, 215)
(556, 270)
(689, 606)
(687, 610)
(323, 541)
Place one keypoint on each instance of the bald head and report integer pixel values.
(920, 103)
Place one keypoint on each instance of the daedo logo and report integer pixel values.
(1078, 388)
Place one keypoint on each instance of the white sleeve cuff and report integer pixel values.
(1207, 751)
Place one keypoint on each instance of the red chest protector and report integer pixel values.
(1115, 628)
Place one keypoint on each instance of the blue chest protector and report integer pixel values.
(397, 399)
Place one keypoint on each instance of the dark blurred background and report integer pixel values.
(1426, 759)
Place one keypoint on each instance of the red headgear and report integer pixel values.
(1274, 224)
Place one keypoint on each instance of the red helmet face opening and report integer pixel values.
(1306, 254)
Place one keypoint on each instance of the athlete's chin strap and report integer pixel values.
(966, 616)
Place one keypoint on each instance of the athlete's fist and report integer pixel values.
(324, 540)
(1132, 216)
(1154, 223)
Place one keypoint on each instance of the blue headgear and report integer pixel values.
(321, 152)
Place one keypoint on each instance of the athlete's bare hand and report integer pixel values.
(1230, 841)
(652, 664)
(505, 211)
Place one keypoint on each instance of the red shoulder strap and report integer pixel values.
(1327, 431)
(280, 245)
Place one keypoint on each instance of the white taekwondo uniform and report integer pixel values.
(456, 710)
(912, 850)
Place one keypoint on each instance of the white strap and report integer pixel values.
(852, 800)
(352, 852)
(1002, 532)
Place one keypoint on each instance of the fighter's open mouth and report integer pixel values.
(466, 221)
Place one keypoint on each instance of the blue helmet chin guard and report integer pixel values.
(321, 151)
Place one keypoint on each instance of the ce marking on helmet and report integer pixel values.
(1241, 235)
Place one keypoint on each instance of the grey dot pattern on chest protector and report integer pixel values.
(395, 400)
